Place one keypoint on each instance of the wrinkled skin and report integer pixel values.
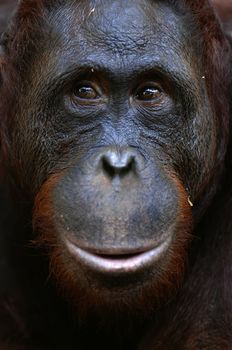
(91, 200)
(223, 7)
(116, 150)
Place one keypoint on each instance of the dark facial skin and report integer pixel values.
(115, 140)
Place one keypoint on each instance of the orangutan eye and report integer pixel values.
(149, 93)
(86, 92)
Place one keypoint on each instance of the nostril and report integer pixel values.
(107, 167)
(115, 164)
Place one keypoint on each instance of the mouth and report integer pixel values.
(119, 263)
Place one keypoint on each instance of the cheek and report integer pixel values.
(197, 154)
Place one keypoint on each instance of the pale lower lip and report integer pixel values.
(118, 264)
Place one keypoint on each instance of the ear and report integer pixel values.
(7, 7)
(1, 62)
(3, 51)
(7, 10)
(224, 10)
(228, 30)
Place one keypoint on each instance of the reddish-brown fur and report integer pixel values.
(217, 63)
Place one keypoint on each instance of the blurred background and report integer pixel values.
(223, 8)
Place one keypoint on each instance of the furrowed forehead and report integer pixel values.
(109, 31)
(118, 24)
(111, 18)
(143, 34)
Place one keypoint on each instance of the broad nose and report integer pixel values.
(118, 163)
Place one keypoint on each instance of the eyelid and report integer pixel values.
(150, 83)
